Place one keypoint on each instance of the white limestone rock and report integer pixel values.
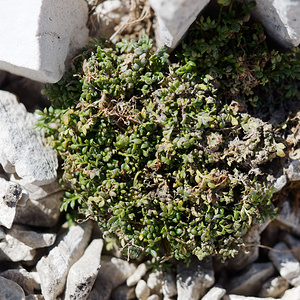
(9, 290)
(249, 282)
(174, 18)
(289, 217)
(142, 291)
(281, 18)
(293, 168)
(292, 294)
(215, 293)
(192, 281)
(27, 280)
(83, 273)
(116, 270)
(154, 282)
(286, 264)
(153, 297)
(11, 194)
(137, 275)
(293, 243)
(40, 35)
(43, 212)
(54, 267)
(274, 287)
(169, 288)
(32, 238)
(280, 183)
(21, 147)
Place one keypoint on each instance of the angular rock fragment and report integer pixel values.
(142, 291)
(83, 273)
(249, 282)
(116, 270)
(154, 282)
(281, 20)
(10, 196)
(27, 280)
(293, 243)
(174, 18)
(239, 297)
(53, 269)
(192, 281)
(21, 147)
(293, 169)
(10, 290)
(286, 263)
(292, 294)
(51, 31)
(215, 293)
(102, 288)
(274, 287)
(137, 275)
(123, 292)
(43, 212)
(169, 288)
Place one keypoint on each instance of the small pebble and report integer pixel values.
(142, 291)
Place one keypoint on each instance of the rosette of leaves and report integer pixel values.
(156, 153)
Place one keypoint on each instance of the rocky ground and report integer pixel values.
(42, 258)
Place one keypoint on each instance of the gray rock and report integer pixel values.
(215, 293)
(289, 217)
(10, 290)
(43, 212)
(169, 288)
(293, 168)
(10, 196)
(53, 269)
(11, 249)
(123, 292)
(292, 294)
(280, 183)
(293, 243)
(137, 275)
(249, 282)
(142, 291)
(116, 270)
(154, 282)
(248, 255)
(32, 238)
(174, 18)
(192, 281)
(281, 20)
(21, 147)
(83, 273)
(28, 281)
(274, 287)
(102, 288)
(286, 263)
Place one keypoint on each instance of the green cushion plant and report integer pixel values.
(168, 156)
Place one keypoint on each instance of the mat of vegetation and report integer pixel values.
(170, 155)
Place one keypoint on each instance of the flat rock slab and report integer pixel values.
(10, 290)
(39, 35)
(53, 269)
(286, 264)
(174, 18)
(83, 273)
(192, 281)
(281, 18)
(21, 147)
(250, 280)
